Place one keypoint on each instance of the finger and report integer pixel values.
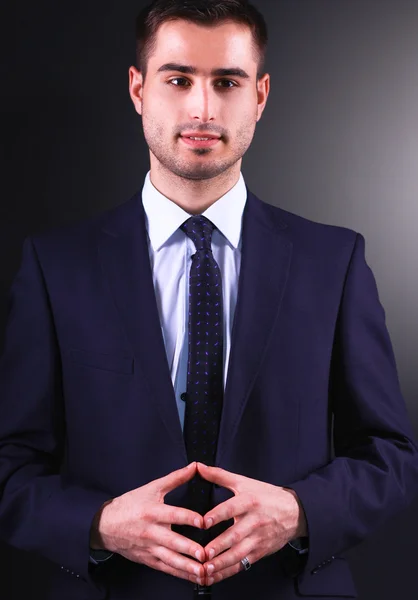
(159, 565)
(229, 538)
(230, 561)
(176, 478)
(176, 515)
(229, 509)
(220, 476)
(179, 562)
(178, 543)
(228, 572)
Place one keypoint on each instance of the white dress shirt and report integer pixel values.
(170, 251)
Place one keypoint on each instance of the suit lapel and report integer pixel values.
(265, 262)
(123, 248)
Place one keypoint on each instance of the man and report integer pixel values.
(177, 369)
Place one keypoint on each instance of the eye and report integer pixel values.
(233, 84)
(178, 79)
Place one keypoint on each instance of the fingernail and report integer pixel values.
(211, 553)
(210, 580)
(197, 522)
(199, 581)
(209, 523)
(198, 555)
(197, 571)
(210, 569)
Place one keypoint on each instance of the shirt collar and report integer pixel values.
(226, 213)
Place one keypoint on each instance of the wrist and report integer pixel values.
(300, 528)
(98, 527)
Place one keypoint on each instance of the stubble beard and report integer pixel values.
(174, 159)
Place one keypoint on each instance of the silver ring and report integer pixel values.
(246, 563)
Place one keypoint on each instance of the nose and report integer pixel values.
(202, 103)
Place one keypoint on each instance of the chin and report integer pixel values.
(203, 173)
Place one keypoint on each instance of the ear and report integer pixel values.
(136, 88)
(263, 89)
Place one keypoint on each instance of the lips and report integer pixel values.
(199, 143)
(196, 134)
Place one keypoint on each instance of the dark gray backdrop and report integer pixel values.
(338, 143)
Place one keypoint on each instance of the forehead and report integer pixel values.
(224, 44)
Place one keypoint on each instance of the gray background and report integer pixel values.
(338, 143)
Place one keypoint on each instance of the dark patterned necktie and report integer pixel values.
(204, 395)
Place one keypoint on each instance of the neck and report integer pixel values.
(193, 196)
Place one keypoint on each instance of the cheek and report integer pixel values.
(157, 107)
(243, 114)
(246, 124)
(153, 121)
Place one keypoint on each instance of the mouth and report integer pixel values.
(200, 141)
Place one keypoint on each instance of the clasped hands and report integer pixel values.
(137, 525)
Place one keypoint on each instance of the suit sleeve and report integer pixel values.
(374, 473)
(41, 509)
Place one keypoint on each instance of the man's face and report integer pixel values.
(175, 103)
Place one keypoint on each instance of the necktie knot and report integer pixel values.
(199, 229)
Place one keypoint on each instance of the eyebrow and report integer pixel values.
(188, 70)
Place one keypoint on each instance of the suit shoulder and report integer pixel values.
(81, 233)
(315, 233)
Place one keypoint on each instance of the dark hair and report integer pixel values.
(207, 12)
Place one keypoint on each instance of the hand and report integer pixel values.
(266, 517)
(137, 525)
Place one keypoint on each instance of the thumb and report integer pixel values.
(177, 478)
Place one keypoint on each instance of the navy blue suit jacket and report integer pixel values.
(88, 412)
